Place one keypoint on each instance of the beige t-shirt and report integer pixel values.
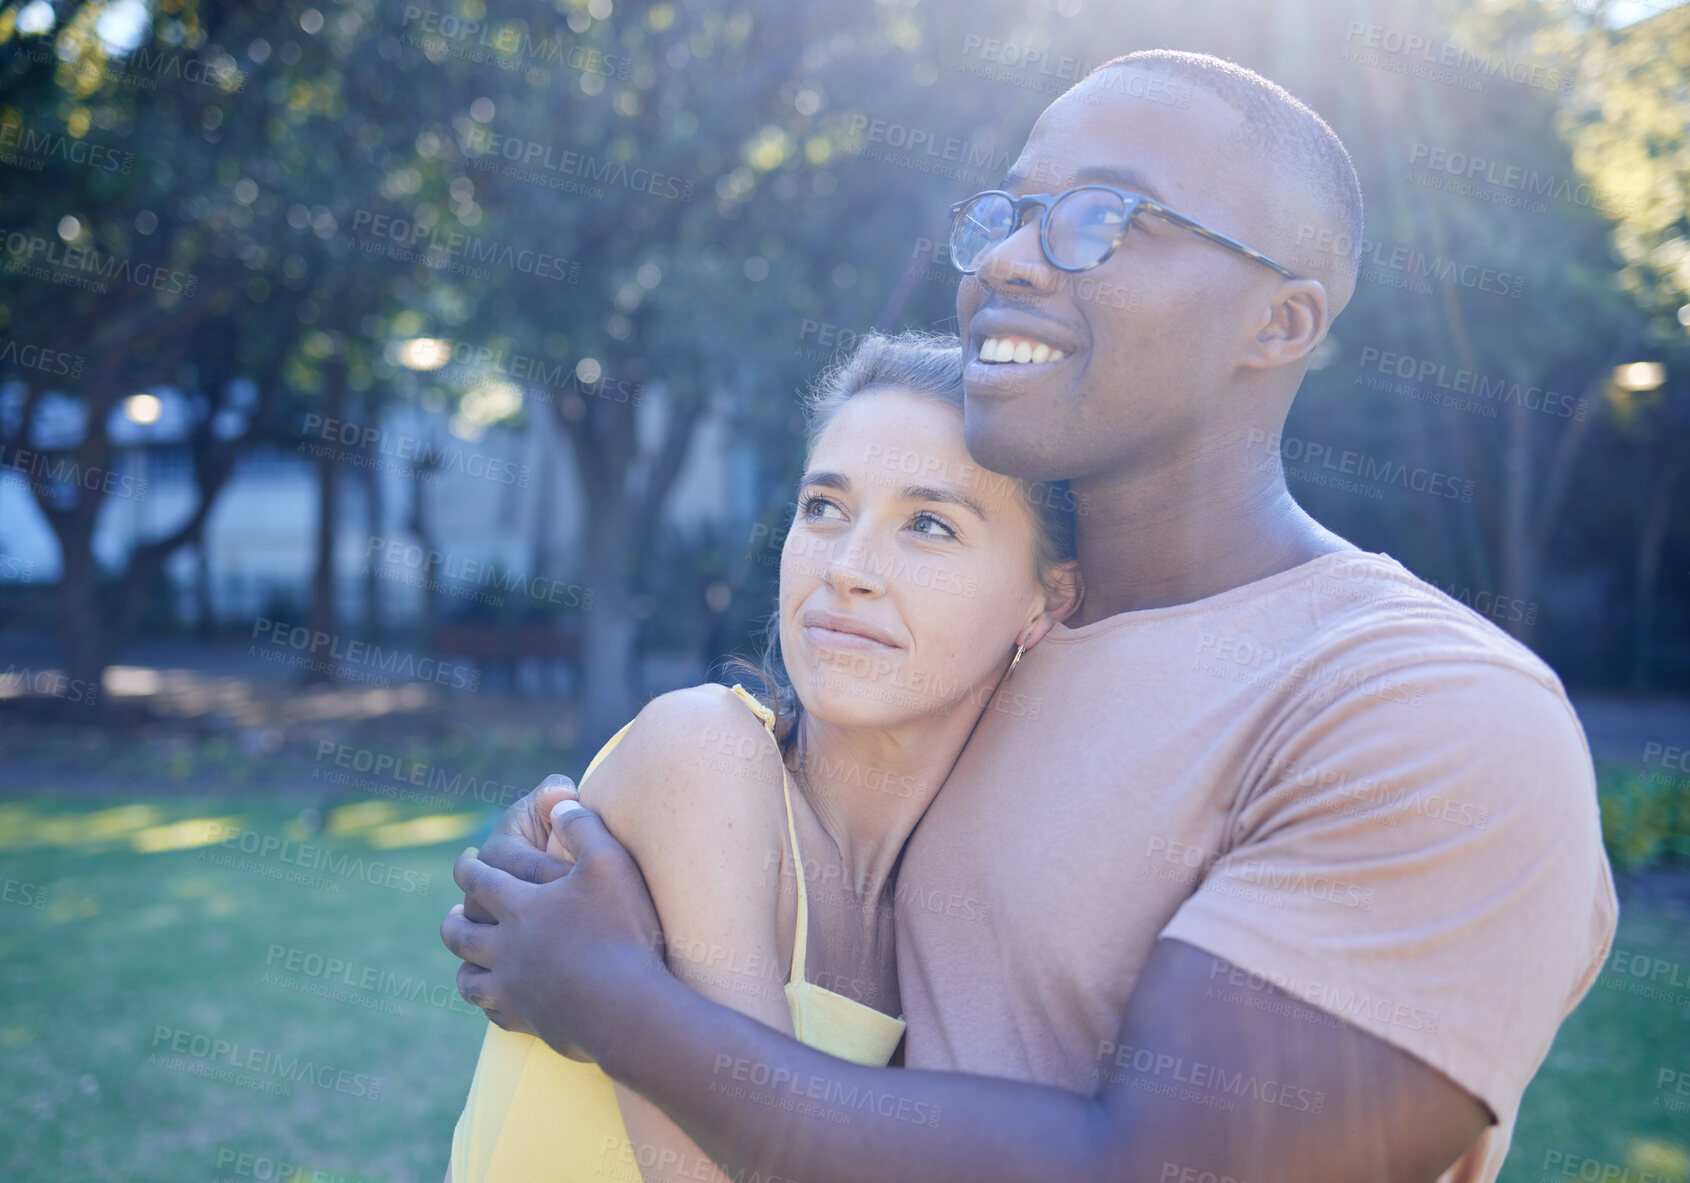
(1337, 778)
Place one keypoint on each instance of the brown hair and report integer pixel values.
(928, 364)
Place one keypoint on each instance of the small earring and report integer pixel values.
(1016, 660)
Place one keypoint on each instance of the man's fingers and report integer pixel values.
(472, 986)
(553, 789)
(518, 859)
(483, 884)
(582, 835)
(469, 941)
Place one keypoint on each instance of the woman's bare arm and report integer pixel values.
(694, 792)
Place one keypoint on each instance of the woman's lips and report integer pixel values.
(831, 638)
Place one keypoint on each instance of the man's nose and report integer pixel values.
(1018, 263)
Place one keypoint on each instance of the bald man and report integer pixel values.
(1296, 869)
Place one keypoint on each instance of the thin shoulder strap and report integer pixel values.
(801, 938)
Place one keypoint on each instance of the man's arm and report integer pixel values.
(1192, 1081)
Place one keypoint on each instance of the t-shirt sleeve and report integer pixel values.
(1425, 865)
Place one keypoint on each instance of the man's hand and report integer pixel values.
(519, 841)
(555, 954)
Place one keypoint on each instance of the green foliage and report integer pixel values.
(712, 175)
(1645, 816)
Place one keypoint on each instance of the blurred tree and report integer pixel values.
(1628, 136)
(724, 190)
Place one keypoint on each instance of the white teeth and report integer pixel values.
(1022, 351)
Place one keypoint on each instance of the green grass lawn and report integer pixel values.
(168, 1006)
(117, 990)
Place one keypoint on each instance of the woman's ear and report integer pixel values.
(1063, 593)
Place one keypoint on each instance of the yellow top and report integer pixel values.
(534, 1115)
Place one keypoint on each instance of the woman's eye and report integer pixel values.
(819, 507)
(926, 523)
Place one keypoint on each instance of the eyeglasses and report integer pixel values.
(1078, 228)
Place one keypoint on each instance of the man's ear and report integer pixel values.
(1063, 593)
(1290, 327)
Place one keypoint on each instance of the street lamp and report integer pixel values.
(424, 353)
(142, 408)
(1640, 376)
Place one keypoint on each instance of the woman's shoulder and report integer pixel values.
(690, 752)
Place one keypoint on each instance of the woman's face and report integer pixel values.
(908, 574)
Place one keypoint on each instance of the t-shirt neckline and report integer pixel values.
(1222, 599)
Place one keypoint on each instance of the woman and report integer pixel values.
(911, 581)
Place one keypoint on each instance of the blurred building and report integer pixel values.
(500, 509)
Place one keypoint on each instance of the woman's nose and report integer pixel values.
(853, 573)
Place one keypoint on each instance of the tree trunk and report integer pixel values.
(419, 524)
(373, 522)
(622, 519)
(323, 613)
(205, 623)
(610, 640)
(1647, 569)
(82, 619)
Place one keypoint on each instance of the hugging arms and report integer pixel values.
(571, 960)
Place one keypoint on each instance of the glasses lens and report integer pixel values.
(1084, 225)
(984, 221)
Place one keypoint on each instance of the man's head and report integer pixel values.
(1173, 339)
